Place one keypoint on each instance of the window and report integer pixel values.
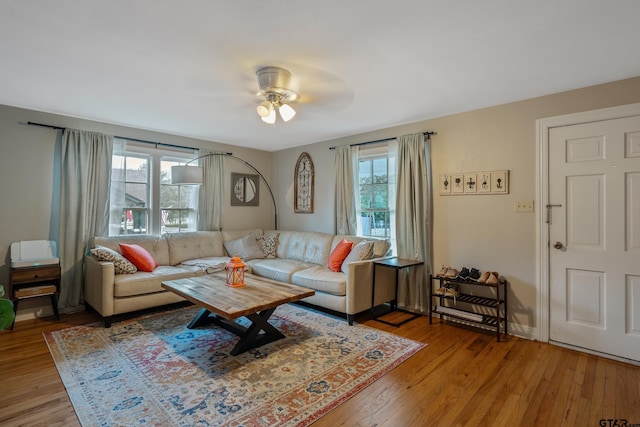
(143, 200)
(375, 209)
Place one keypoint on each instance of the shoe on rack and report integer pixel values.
(452, 291)
(483, 278)
(443, 271)
(441, 291)
(451, 273)
(464, 274)
(493, 279)
(474, 274)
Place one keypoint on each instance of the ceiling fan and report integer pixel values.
(274, 85)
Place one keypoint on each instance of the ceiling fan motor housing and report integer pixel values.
(273, 83)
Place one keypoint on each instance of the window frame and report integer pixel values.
(156, 156)
(370, 155)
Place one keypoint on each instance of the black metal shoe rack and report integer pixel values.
(498, 322)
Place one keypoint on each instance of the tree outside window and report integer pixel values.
(374, 196)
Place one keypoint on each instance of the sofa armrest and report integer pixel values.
(99, 279)
(360, 286)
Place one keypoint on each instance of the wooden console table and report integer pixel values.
(35, 281)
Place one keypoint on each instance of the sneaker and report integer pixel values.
(453, 292)
(441, 291)
(494, 278)
(483, 278)
(443, 271)
(474, 274)
(464, 274)
(451, 273)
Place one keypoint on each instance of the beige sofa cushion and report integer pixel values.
(321, 279)
(277, 269)
(309, 247)
(194, 245)
(157, 246)
(140, 283)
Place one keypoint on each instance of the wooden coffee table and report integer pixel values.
(221, 304)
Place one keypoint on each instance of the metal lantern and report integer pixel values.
(235, 272)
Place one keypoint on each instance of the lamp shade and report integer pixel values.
(186, 175)
(286, 112)
(271, 118)
(264, 109)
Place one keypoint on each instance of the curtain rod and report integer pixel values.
(116, 136)
(428, 133)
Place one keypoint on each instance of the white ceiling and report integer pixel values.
(188, 67)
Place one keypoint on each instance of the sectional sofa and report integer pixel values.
(297, 257)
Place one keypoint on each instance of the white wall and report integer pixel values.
(481, 231)
(29, 207)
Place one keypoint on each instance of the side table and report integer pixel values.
(397, 264)
(36, 281)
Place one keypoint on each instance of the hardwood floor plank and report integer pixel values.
(462, 378)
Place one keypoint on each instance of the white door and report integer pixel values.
(594, 236)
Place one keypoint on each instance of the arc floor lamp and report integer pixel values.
(193, 175)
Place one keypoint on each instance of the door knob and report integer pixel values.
(557, 245)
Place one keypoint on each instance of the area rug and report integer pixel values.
(152, 370)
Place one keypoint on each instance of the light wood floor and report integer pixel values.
(462, 377)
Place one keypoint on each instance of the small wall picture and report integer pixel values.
(445, 183)
(245, 190)
(484, 182)
(499, 182)
(470, 183)
(457, 183)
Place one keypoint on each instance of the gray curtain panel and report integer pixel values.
(84, 204)
(346, 182)
(210, 202)
(413, 219)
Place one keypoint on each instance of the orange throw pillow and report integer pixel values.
(338, 254)
(138, 257)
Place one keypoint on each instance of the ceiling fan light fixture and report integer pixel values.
(264, 109)
(286, 112)
(273, 84)
(271, 117)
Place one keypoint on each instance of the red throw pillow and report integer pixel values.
(138, 257)
(338, 254)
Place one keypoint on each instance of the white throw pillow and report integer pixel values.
(246, 248)
(360, 252)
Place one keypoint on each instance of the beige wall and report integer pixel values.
(474, 231)
(481, 231)
(29, 208)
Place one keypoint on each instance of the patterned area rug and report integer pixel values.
(154, 371)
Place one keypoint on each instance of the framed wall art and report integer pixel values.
(303, 184)
(245, 190)
(484, 182)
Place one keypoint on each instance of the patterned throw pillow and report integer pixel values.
(121, 265)
(269, 244)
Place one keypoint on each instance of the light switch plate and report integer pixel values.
(526, 206)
